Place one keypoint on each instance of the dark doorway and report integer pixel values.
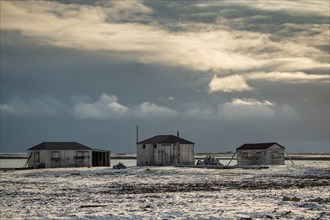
(101, 158)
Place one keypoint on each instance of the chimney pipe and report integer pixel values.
(177, 133)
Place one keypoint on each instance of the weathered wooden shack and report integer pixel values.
(165, 150)
(260, 154)
(66, 154)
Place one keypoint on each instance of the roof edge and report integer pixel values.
(43, 145)
(162, 139)
(267, 143)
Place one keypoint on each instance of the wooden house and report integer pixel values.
(165, 150)
(66, 154)
(260, 154)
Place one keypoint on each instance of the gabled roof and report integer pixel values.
(257, 146)
(60, 146)
(165, 139)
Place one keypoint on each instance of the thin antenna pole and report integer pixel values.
(137, 134)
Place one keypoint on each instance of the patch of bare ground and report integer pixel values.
(277, 183)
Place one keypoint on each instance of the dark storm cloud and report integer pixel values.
(222, 72)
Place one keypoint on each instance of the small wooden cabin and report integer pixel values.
(260, 154)
(165, 150)
(66, 154)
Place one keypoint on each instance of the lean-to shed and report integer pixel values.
(260, 154)
(165, 150)
(66, 154)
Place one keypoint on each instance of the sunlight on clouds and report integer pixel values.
(251, 102)
(151, 110)
(94, 28)
(289, 77)
(106, 107)
(298, 7)
(245, 108)
(271, 60)
(234, 83)
(231, 111)
(295, 64)
(310, 35)
(252, 108)
(119, 10)
(99, 28)
(293, 7)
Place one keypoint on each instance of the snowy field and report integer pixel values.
(283, 192)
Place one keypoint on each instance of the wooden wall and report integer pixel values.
(165, 154)
(59, 158)
(273, 155)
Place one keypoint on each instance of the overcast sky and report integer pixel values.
(223, 73)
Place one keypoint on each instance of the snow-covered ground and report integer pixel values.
(301, 191)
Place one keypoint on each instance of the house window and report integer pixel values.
(275, 154)
(82, 154)
(244, 154)
(55, 155)
(144, 146)
(155, 146)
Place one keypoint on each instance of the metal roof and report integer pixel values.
(60, 146)
(165, 139)
(257, 146)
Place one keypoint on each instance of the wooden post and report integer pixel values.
(289, 157)
(28, 160)
(232, 158)
(151, 157)
(180, 161)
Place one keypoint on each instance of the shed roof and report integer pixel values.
(257, 146)
(60, 146)
(165, 139)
